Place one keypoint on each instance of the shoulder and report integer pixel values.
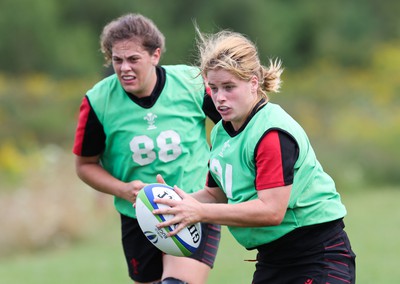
(183, 71)
(218, 129)
(99, 95)
(185, 81)
(105, 84)
(180, 67)
(277, 117)
(104, 89)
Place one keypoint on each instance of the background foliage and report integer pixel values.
(341, 82)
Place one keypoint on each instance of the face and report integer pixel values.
(234, 98)
(135, 67)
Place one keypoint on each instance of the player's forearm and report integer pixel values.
(210, 195)
(247, 214)
(98, 178)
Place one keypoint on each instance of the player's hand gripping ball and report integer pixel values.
(185, 242)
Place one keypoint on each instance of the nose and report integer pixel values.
(125, 65)
(219, 96)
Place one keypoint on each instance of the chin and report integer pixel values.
(130, 89)
(226, 117)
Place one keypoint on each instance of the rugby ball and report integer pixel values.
(185, 242)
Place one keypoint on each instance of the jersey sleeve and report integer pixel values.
(276, 155)
(210, 182)
(89, 135)
(209, 107)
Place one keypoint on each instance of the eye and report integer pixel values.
(116, 60)
(213, 89)
(133, 59)
(229, 87)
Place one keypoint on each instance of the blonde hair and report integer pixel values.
(238, 55)
(131, 27)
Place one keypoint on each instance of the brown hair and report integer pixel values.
(131, 27)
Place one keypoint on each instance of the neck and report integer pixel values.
(253, 109)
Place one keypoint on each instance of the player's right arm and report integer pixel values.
(90, 171)
(89, 143)
(209, 194)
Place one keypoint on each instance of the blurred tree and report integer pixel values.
(61, 37)
(28, 30)
(341, 59)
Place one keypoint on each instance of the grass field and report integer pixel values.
(373, 225)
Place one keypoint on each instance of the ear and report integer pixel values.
(155, 57)
(254, 84)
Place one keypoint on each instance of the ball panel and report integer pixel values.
(161, 191)
(191, 240)
(147, 197)
(182, 244)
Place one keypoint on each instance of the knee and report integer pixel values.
(171, 280)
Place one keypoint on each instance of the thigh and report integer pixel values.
(195, 269)
(331, 261)
(339, 260)
(143, 259)
(208, 248)
(186, 269)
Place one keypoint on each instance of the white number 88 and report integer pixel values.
(167, 141)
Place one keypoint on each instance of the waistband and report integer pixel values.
(303, 238)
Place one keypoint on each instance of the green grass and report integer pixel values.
(97, 259)
(373, 225)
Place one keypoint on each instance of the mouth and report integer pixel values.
(223, 109)
(128, 78)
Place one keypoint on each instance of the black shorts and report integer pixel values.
(144, 260)
(317, 254)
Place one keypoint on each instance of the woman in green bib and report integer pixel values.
(143, 120)
(265, 182)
